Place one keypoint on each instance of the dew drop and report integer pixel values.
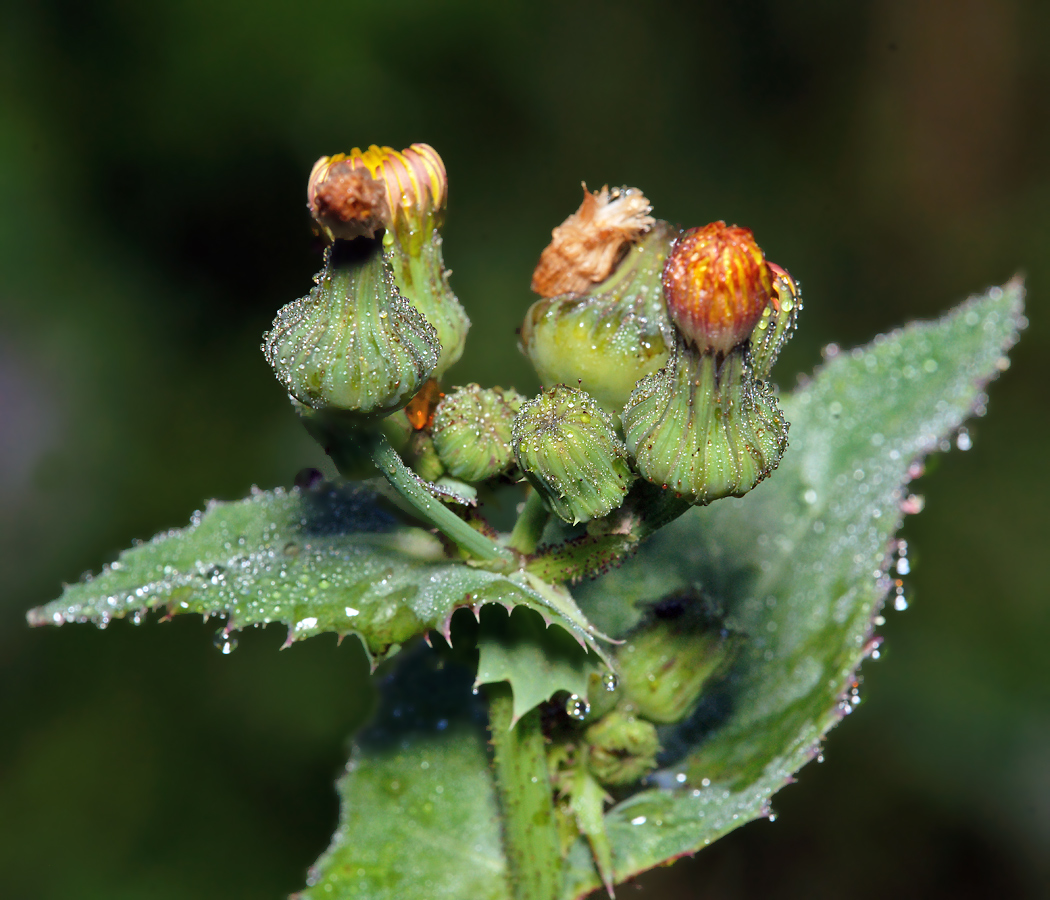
(577, 707)
(224, 643)
(609, 681)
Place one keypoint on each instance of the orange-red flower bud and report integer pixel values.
(717, 283)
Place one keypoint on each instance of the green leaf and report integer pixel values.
(419, 817)
(801, 566)
(536, 660)
(324, 559)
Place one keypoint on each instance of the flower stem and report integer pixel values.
(530, 524)
(530, 831)
(409, 486)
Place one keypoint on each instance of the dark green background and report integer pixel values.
(894, 156)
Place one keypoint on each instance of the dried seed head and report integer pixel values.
(716, 283)
(586, 247)
(610, 336)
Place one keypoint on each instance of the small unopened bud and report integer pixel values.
(717, 283)
(353, 344)
(472, 431)
(777, 324)
(586, 247)
(665, 665)
(569, 451)
(704, 426)
(623, 748)
(611, 336)
(421, 456)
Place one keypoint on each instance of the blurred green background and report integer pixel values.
(894, 156)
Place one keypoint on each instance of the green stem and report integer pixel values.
(530, 830)
(530, 524)
(409, 486)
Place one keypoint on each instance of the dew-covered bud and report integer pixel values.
(665, 665)
(586, 247)
(403, 192)
(569, 451)
(353, 344)
(611, 336)
(472, 431)
(717, 283)
(704, 426)
(777, 324)
(623, 748)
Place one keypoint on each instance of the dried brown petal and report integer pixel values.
(586, 247)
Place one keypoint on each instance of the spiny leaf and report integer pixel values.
(537, 661)
(801, 567)
(317, 560)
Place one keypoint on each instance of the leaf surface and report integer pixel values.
(537, 661)
(801, 566)
(323, 559)
(418, 816)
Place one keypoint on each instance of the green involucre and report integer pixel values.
(704, 426)
(353, 344)
(775, 328)
(568, 449)
(623, 747)
(664, 667)
(472, 431)
(415, 257)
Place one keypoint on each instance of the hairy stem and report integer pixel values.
(530, 524)
(530, 833)
(409, 486)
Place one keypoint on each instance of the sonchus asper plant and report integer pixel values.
(653, 660)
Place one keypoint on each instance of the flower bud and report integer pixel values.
(353, 344)
(665, 665)
(623, 748)
(717, 283)
(777, 324)
(472, 431)
(422, 458)
(404, 192)
(704, 426)
(568, 449)
(613, 335)
(586, 247)
(354, 194)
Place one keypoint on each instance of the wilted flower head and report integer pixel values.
(717, 283)
(355, 194)
(586, 247)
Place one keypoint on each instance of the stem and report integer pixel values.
(409, 486)
(530, 524)
(530, 831)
